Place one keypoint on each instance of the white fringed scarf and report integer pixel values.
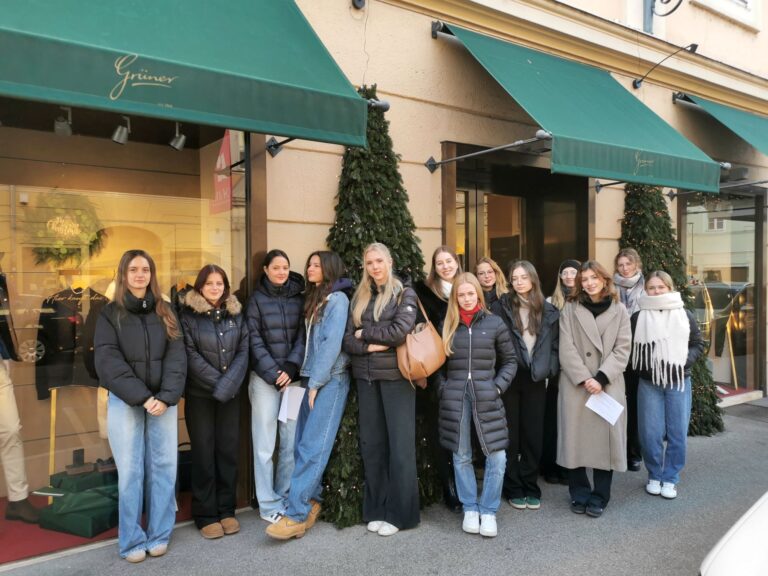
(660, 342)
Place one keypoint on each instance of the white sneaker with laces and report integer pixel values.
(375, 525)
(273, 518)
(653, 487)
(668, 490)
(471, 524)
(488, 525)
(388, 529)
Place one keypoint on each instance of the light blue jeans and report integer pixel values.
(315, 435)
(663, 413)
(145, 449)
(271, 481)
(466, 482)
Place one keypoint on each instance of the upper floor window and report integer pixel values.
(745, 12)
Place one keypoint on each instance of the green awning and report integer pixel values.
(750, 127)
(598, 128)
(252, 65)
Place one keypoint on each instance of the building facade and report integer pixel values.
(72, 199)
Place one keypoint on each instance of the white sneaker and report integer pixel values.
(471, 524)
(668, 490)
(273, 518)
(653, 487)
(388, 529)
(488, 525)
(375, 525)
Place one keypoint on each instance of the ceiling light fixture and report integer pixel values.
(63, 126)
(179, 141)
(120, 135)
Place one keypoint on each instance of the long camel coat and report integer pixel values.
(590, 344)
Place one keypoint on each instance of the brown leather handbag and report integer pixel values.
(422, 353)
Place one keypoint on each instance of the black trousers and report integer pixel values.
(583, 493)
(524, 403)
(387, 424)
(549, 465)
(214, 435)
(631, 380)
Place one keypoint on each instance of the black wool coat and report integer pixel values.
(544, 360)
(483, 361)
(134, 358)
(216, 341)
(275, 317)
(435, 306)
(395, 322)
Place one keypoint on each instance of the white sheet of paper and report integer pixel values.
(605, 406)
(290, 403)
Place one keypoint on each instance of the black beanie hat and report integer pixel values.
(568, 264)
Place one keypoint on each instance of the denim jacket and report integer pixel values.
(324, 357)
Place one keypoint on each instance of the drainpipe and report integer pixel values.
(648, 16)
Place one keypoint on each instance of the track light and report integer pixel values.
(63, 126)
(178, 141)
(637, 82)
(120, 135)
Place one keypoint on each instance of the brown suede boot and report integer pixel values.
(212, 531)
(285, 529)
(22, 510)
(314, 513)
(230, 525)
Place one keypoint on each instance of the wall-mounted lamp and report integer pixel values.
(120, 135)
(63, 126)
(179, 141)
(637, 82)
(358, 4)
(382, 105)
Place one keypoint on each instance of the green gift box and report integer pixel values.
(87, 523)
(81, 482)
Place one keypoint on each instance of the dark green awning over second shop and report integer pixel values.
(750, 127)
(598, 128)
(254, 65)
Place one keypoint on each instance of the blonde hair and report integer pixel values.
(501, 282)
(362, 297)
(452, 317)
(632, 255)
(664, 277)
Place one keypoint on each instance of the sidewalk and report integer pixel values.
(638, 534)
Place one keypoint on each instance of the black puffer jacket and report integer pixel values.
(477, 352)
(397, 320)
(276, 329)
(216, 341)
(544, 360)
(134, 358)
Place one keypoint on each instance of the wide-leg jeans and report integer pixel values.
(272, 481)
(145, 449)
(315, 435)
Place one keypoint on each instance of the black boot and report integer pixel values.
(22, 510)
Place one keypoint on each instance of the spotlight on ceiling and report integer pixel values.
(179, 141)
(120, 135)
(63, 126)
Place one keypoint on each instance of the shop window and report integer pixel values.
(715, 224)
(745, 12)
(69, 207)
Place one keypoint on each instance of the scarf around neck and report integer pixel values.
(466, 316)
(445, 288)
(660, 340)
(630, 289)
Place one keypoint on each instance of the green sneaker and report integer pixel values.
(532, 503)
(518, 503)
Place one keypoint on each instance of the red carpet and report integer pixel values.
(19, 540)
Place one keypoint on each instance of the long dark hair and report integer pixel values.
(314, 296)
(535, 299)
(162, 309)
(271, 255)
(202, 278)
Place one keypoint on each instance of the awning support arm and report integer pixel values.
(432, 164)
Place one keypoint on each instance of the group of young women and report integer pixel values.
(518, 373)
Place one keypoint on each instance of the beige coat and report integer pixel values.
(589, 345)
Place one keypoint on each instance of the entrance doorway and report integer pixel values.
(508, 211)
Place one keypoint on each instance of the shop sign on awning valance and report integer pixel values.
(598, 128)
(750, 127)
(254, 65)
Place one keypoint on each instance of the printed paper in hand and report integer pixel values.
(290, 403)
(605, 406)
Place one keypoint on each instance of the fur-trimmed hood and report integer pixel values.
(193, 300)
